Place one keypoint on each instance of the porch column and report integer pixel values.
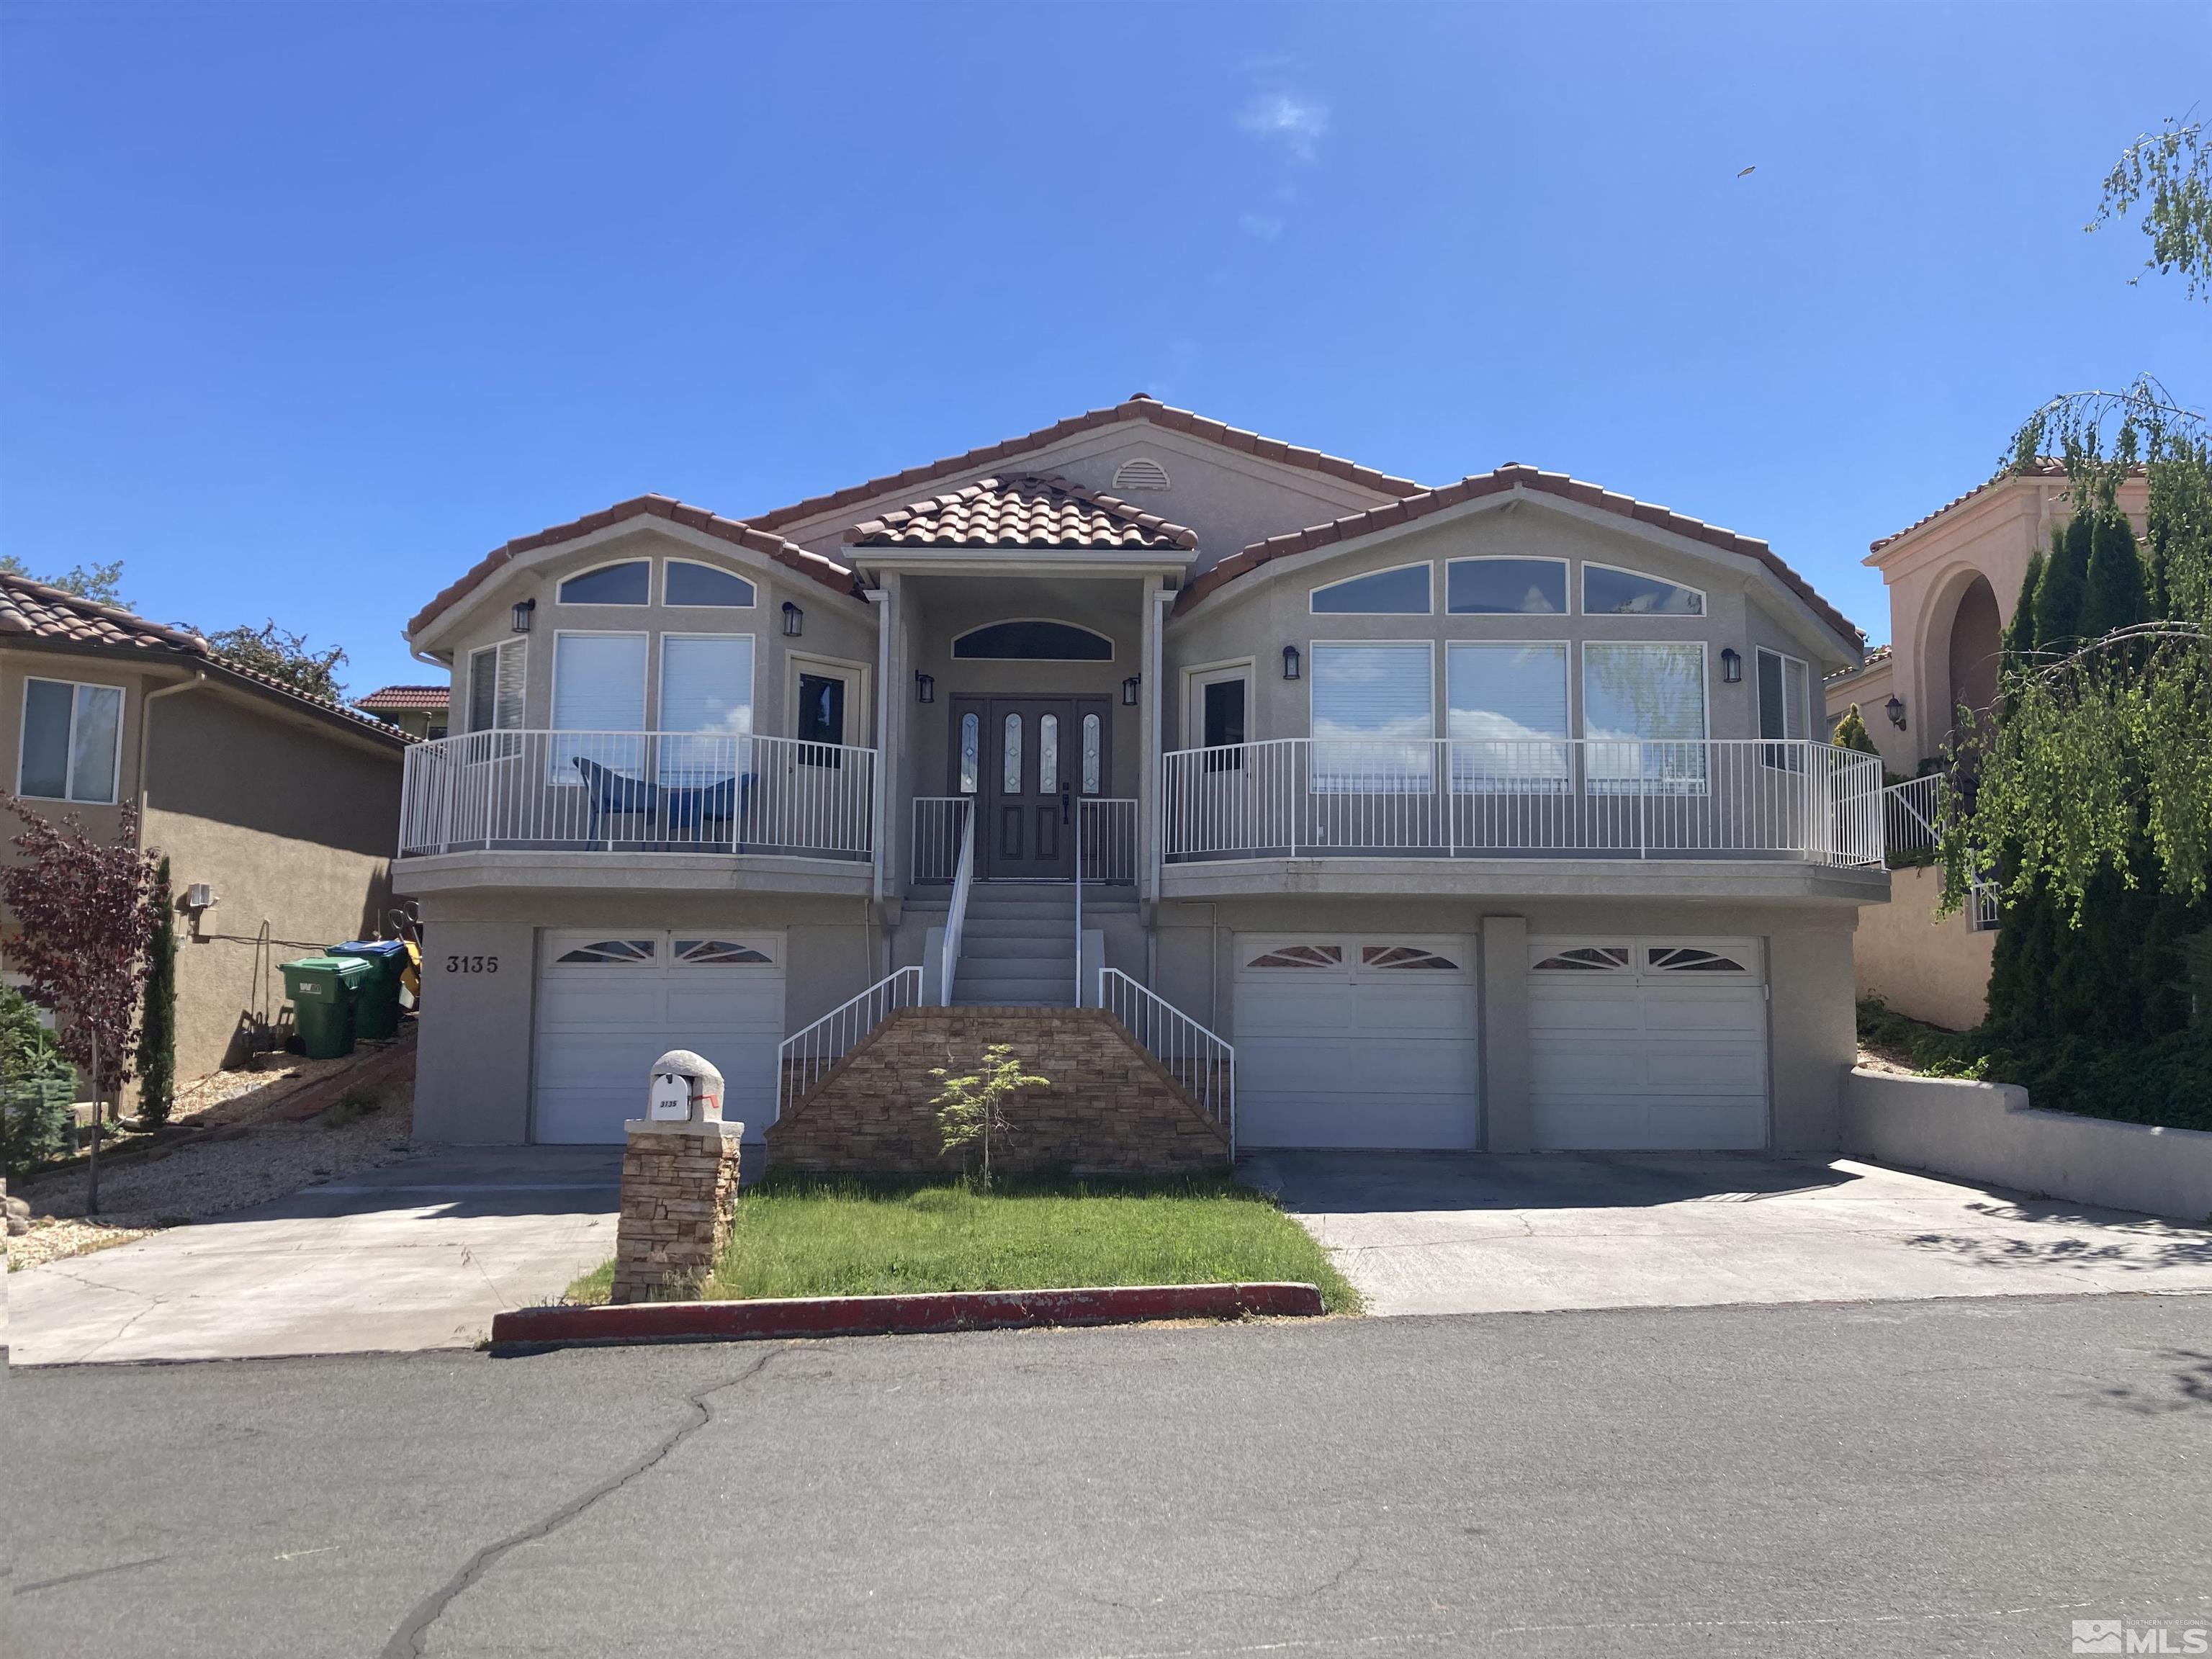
(1148, 735)
(891, 734)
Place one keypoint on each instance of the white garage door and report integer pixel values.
(1356, 1040)
(1647, 1044)
(612, 1001)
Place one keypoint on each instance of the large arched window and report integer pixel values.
(629, 582)
(1031, 639)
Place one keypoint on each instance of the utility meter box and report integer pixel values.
(686, 1088)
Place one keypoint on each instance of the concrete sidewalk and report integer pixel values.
(1443, 1232)
(417, 1255)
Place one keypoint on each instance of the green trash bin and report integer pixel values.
(376, 1010)
(322, 990)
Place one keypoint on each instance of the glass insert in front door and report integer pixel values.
(1029, 779)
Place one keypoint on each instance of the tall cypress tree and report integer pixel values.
(2065, 578)
(2115, 593)
(157, 1025)
(2020, 632)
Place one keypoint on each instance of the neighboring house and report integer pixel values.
(278, 803)
(1485, 815)
(1954, 580)
(417, 710)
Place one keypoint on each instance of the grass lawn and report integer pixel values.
(820, 1236)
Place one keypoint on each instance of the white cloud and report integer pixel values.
(1265, 226)
(1300, 123)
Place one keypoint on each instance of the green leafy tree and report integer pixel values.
(2020, 632)
(284, 655)
(102, 583)
(2058, 596)
(37, 1086)
(1851, 733)
(2114, 596)
(157, 1024)
(971, 1108)
(2168, 173)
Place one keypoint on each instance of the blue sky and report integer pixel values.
(304, 308)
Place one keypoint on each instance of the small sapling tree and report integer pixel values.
(971, 1108)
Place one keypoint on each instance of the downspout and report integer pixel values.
(1161, 600)
(879, 597)
(145, 730)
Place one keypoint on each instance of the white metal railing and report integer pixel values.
(638, 791)
(955, 913)
(1983, 911)
(1200, 1061)
(1469, 798)
(1107, 838)
(805, 1057)
(937, 823)
(1910, 812)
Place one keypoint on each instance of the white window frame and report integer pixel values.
(854, 674)
(1785, 757)
(1319, 588)
(1428, 782)
(668, 565)
(1568, 584)
(1704, 612)
(658, 675)
(1533, 783)
(519, 643)
(566, 777)
(69, 764)
(952, 649)
(1196, 678)
(608, 605)
(1700, 786)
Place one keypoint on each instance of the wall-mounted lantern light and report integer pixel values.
(1731, 666)
(1129, 690)
(924, 687)
(1895, 710)
(1290, 662)
(518, 619)
(794, 619)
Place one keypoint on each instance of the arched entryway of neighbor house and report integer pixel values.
(1961, 651)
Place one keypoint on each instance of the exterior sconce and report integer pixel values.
(924, 687)
(1129, 690)
(1895, 710)
(1731, 666)
(518, 618)
(794, 619)
(1290, 662)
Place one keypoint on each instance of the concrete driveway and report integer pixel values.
(415, 1254)
(1422, 1233)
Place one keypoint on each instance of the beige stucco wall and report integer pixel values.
(1933, 970)
(135, 678)
(292, 826)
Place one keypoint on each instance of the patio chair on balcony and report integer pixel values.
(614, 795)
(692, 807)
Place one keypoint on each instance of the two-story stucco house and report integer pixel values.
(1488, 816)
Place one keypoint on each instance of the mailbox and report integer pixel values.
(686, 1088)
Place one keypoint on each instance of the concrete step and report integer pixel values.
(996, 927)
(1052, 949)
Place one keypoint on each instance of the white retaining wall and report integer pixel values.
(1987, 1132)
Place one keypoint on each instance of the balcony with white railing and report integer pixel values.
(1561, 798)
(638, 792)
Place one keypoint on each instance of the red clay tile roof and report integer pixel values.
(736, 532)
(1022, 512)
(398, 697)
(1140, 407)
(1506, 478)
(2047, 468)
(50, 617)
(1880, 654)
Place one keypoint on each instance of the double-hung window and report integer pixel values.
(72, 734)
(496, 678)
(1507, 704)
(1374, 718)
(1644, 716)
(1785, 709)
(706, 690)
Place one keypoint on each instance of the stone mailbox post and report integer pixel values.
(679, 1179)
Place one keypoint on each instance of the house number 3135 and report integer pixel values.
(472, 964)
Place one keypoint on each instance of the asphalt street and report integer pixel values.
(1933, 1477)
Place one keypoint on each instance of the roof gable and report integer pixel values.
(1023, 512)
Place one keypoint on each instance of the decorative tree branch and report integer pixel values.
(2173, 167)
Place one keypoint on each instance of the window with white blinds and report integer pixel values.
(598, 681)
(1643, 712)
(496, 679)
(706, 687)
(1786, 707)
(1374, 717)
(1508, 718)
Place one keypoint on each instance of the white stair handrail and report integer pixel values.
(956, 914)
(1203, 1063)
(804, 1057)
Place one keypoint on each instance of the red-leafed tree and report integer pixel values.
(85, 911)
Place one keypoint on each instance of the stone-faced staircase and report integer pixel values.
(1111, 1107)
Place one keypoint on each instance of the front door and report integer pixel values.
(1031, 754)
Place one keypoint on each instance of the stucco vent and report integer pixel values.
(1142, 472)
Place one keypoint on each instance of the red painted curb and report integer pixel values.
(534, 1328)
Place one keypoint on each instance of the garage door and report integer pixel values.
(1356, 1040)
(1647, 1044)
(610, 1003)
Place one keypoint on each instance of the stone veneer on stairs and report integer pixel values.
(1112, 1107)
